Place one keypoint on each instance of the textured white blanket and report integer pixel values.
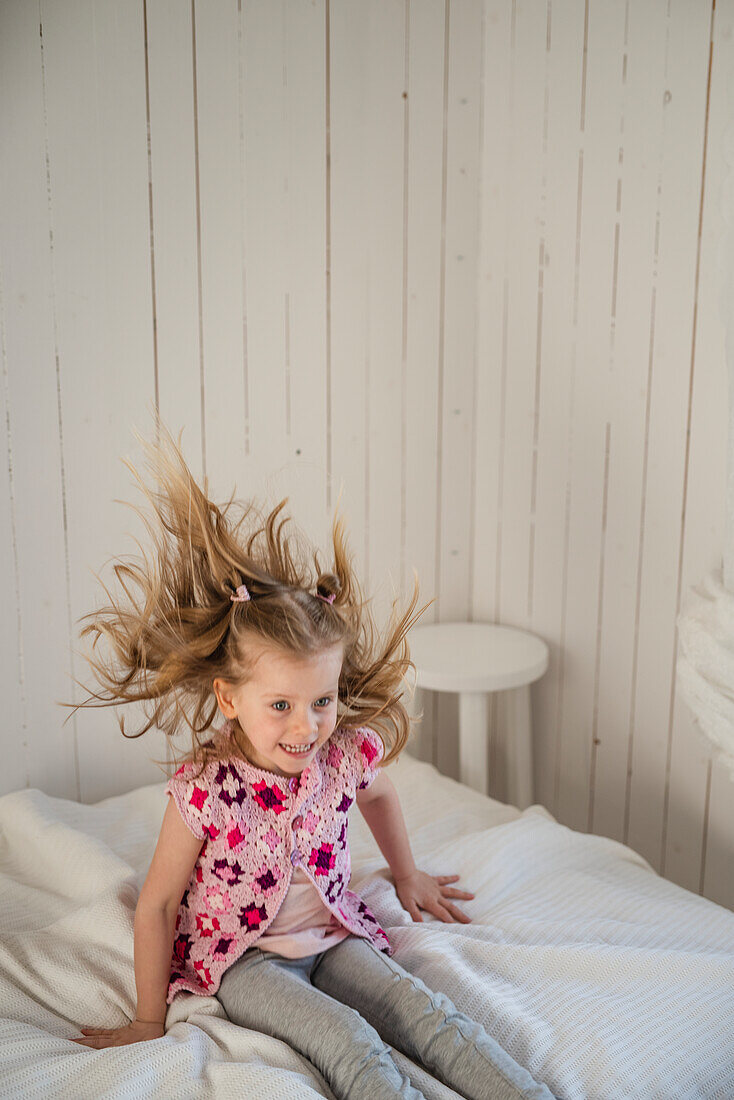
(601, 978)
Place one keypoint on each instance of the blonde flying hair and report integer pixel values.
(175, 629)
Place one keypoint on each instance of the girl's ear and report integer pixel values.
(223, 692)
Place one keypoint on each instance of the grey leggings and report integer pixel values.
(341, 1007)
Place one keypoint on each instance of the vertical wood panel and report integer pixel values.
(698, 823)
(175, 220)
(349, 306)
(266, 251)
(15, 733)
(601, 104)
(382, 148)
(306, 446)
(95, 97)
(491, 319)
(458, 335)
(492, 367)
(422, 305)
(367, 142)
(519, 263)
(627, 342)
(523, 233)
(221, 202)
(716, 877)
(40, 752)
(684, 99)
(457, 395)
(563, 78)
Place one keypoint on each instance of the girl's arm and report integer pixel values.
(155, 919)
(153, 942)
(380, 806)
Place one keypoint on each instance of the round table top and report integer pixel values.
(475, 656)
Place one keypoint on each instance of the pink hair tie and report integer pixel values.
(242, 595)
(326, 599)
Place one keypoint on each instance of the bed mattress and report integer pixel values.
(601, 978)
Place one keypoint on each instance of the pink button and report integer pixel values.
(297, 822)
(295, 857)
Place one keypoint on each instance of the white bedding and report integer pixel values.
(601, 978)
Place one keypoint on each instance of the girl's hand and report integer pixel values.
(136, 1032)
(429, 892)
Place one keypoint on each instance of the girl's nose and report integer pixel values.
(304, 727)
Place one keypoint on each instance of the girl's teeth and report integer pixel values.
(296, 749)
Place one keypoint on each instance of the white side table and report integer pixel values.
(474, 659)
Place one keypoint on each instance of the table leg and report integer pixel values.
(473, 740)
(519, 746)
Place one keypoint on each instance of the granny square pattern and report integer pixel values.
(256, 826)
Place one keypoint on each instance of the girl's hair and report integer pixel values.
(176, 629)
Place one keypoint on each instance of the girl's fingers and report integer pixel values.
(456, 915)
(448, 913)
(97, 1037)
(443, 913)
(450, 891)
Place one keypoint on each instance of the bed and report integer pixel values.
(601, 978)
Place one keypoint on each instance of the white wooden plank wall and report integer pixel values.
(458, 261)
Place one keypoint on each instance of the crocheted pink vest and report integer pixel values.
(257, 826)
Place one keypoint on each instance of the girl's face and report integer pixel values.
(287, 708)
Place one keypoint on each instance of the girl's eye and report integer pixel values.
(325, 700)
(278, 706)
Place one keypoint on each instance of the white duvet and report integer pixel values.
(602, 979)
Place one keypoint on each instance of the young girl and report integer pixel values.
(247, 894)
